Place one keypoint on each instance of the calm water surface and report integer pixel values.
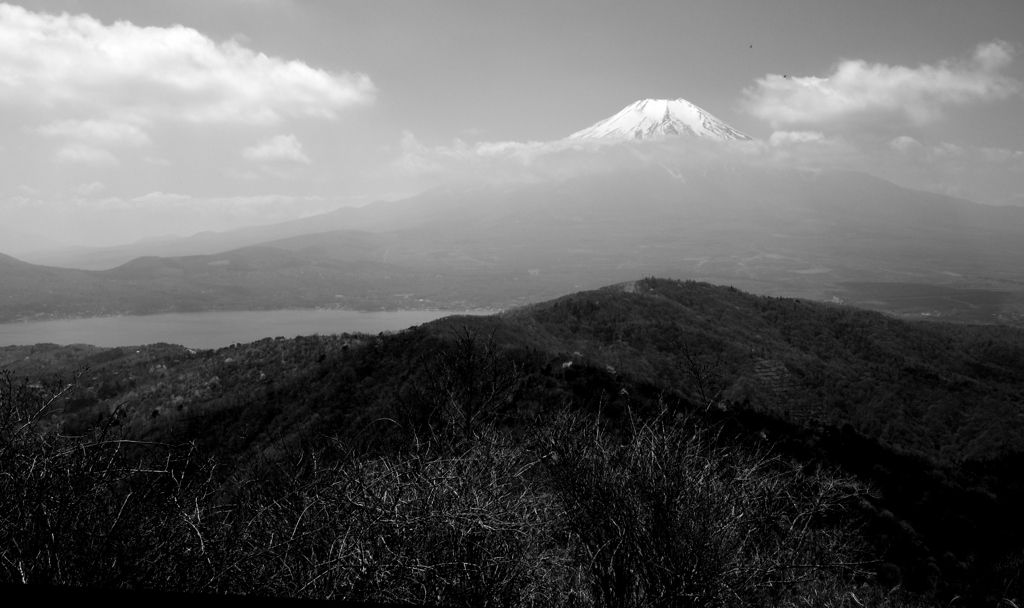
(212, 329)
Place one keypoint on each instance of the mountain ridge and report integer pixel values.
(924, 413)
(772, 232)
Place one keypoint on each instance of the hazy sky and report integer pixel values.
(123, 119)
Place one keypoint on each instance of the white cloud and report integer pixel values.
(498, 160)
(946, 150)
(858, 92)
(89, 188)
(417, 160)
(263, 3)
(161, 198)
(418, 166)
(98, 131)
(201, 205)
(139, 74)
(277, 148)
(84, 153)
(783, 137)
(1015, 158)
(905, 144)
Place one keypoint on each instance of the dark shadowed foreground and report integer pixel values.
(659, 443)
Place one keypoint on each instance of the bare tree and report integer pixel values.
(706, 375)
(471, 380)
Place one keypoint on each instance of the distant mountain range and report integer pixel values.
(824, 235)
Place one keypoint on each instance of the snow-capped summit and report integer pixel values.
(656, 117)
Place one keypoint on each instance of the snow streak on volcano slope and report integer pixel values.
(656, 117)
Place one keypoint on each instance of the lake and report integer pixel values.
(213, 329)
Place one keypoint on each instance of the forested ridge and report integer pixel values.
(651, 442)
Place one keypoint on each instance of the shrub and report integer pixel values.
(670, 514)
(96, 510)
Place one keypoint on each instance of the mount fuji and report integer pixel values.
(659, 117)
(817, 234)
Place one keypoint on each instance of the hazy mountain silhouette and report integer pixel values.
(470, 244)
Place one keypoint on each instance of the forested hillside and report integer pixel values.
(796, 452)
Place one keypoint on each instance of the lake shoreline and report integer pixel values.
(214, 329)
(48, 318)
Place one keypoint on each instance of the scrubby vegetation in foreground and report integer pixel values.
(670, 444)
(563, 511)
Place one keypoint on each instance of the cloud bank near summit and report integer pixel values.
(859, 118)
(976, 173)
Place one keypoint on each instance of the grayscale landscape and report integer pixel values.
(461, 304)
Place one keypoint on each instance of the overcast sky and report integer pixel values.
(124, 119)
